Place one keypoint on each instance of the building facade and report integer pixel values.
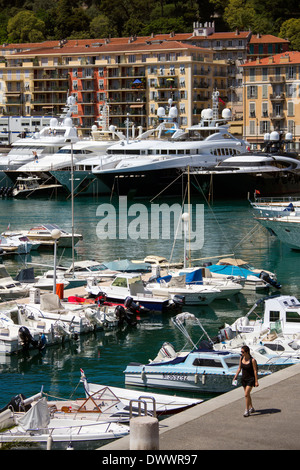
(272, 97)
(134, 75)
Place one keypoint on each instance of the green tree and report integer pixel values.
(69, 20)
(100, 27)
(290, 29)
(25, 27)
(239, 15)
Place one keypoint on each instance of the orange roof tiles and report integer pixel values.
(266, 38)
(277, 59)
(147, 45)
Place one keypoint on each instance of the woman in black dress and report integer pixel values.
(248, 366)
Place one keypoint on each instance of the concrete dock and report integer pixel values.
(219, 424)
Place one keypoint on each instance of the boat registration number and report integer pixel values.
(180, 377)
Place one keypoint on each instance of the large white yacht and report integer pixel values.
(270, 172)
(46, 142)
(148, 166)
(85, 182)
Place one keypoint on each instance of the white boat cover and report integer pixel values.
(37, 417)
(51, 303)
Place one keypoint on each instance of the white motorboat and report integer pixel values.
(193, 294)
(268, 353)
(251, 278)
(154, 403)
(9, 288)
(23, 329)
(28, 186)
(281, 313)
(39, 430)
(14, 245)
(42, 234)
(196, 277)
(131, 285)
(85, 270)
(200, 369)
(285, 228)
(275, 206)
(14, 337)
(49, 306)
(81, 150)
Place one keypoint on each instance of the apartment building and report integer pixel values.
(272, 97)
(134, 75)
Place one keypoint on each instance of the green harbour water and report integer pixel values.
(229, 227)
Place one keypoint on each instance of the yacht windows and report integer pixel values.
(232, 361)
(202, 362)
(292, 317)
(274, 315)
(120, 282)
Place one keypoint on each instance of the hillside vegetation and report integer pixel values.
(39, 20)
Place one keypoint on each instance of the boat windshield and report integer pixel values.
(98, 267)
(232, 361)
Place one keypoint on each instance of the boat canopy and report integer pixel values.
(126, 265)
(194, 277)
(230, 270)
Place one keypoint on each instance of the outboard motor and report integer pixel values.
(265, 277)
(131, 306)
(16, 404)
(26, 338)
(124, 316)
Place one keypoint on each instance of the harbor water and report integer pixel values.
(228, 227)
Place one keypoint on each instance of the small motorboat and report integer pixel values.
(16, 337)
(9, 288)
(42, 234)
(39, 429)
(27, 186)
(22, 329)
(131, 285)
(15, 245)
(252, 279)
(281, 314)
(201, 369)
(195, 289)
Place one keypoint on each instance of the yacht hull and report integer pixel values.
(219, 186)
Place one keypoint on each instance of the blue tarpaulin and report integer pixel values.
(194, 277)
(231, 270)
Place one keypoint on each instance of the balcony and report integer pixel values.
(277, 116)
(277, 96)
(277, 78)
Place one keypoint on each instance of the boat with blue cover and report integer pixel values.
(201, 369)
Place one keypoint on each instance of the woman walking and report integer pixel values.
(248, 366)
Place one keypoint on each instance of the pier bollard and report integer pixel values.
(144, 433)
